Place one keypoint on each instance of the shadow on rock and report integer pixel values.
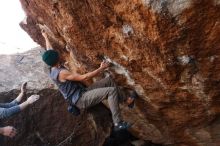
(125, 138)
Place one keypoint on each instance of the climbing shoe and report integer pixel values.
(133, 96)
(121, 126)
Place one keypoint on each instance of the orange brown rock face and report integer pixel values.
(167, 50)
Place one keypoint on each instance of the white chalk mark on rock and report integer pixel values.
(217, 2)
(184, 59)
(127, 30)
(175, 7)
(119, 69)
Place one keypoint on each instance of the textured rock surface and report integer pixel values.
(24, 67)
(47, 123)
(168, 50)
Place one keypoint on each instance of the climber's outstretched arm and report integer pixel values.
(48, 44)
(67, 75)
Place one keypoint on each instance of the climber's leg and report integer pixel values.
(109, 82)
(106, 82)
(124, 97)
(95, 96)
(8, 105)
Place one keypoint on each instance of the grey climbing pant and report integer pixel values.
(99, 91)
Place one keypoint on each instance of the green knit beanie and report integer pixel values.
(50, 57)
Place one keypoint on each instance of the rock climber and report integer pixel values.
(72, 88)
(9, 109)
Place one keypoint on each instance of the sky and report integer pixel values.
(13, 38)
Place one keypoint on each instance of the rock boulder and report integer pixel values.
(168, 50)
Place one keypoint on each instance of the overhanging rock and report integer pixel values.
(168, 50)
